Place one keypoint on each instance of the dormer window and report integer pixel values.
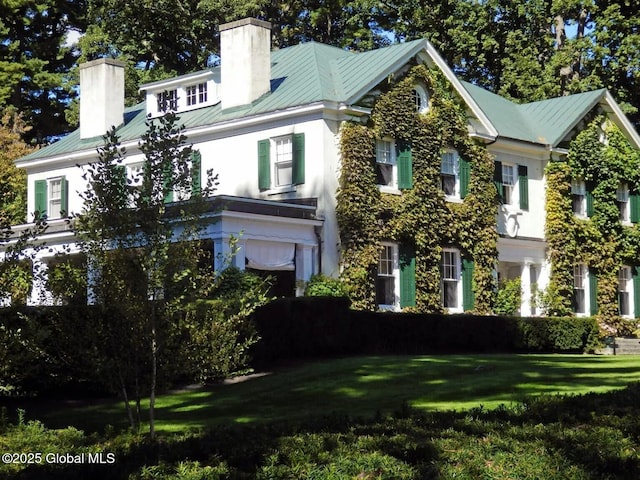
(196, 94)
(167, 100)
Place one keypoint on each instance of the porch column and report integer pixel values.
(225, 256)
(304, 267)
(525, 284)
(39, 293)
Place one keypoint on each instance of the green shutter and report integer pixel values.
(41, 197)
(403, 158)
(468, 298)
(589, 200)
(196, 173)
(497, 179)
(636, 292)
(523, 186)
(120, 177)
(64, 197)
(465, 175)
(264, 165)
(407, 277)
(298, 159)
(593, 293)
(634, 207)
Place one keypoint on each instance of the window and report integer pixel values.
(281, 162)
(55, 197)
(167, 100)
(622, 199)
(196, 94)
(624, 289)
(386, 278)
(450, 278)
(580, 288)
(579, 197)
(508, 184)
(385, 163)
(449, 179)
(421, 99)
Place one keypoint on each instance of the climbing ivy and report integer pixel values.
(602, 241)
(420, 218)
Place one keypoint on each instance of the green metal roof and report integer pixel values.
(313, 72)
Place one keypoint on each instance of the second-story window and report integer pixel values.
(449, 174)
(508, 184)
(579, 197)
(622, 199)
(385, 163)
(167, 101)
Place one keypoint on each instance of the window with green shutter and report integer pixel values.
(593, 293)
(497, 179)
(634, 206)
(264, 164)
(41, 197)
(468, 297)
(405, 169)
(589, 199)
(523, 187)
(407, 276)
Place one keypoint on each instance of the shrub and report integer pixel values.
(323, 286)
(509, 297)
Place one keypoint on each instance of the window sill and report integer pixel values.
(280, 190)
(453, 199)
(388, 308)
(389, 190)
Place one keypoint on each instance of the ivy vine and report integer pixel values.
(420, 218)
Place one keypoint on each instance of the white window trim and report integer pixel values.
(273, 144)
(587, 292)
(423, 96)
(628, 289)
(396, 278)
(393, 187)
(622, 196)
(579, 188)
(514, 204)
(458, 276)
(54, 213)
(456, 173)
(212, 91)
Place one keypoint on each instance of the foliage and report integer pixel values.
(602, 241)
(322, 286)
(220, 330)
(509, 297)
(67, 281)
(34, 62)
(13, 181)
(420, 217)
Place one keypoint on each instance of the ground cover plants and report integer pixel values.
(377, 417)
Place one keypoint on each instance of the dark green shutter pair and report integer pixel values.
(408, 280)
(523, 184)
(264, 162)
(42, 198)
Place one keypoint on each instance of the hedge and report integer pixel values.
(325, 326)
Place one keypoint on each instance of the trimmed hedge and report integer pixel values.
(323, 326)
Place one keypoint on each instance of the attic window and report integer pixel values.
(196, 94)
(420, 98)
(167, 100)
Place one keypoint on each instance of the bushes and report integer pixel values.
(320, 326)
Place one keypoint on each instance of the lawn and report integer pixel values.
(363, 387)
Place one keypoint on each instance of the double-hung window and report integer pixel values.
(196, 94)
(167, 100)
(449, 174)
(450, 278)
(281, 162)
(624, 289)
(508, 184)
(51, 197)
(622, 199)
(580, 288)
(55, 196)
(385, 163)
(579, 197)
(387, 276)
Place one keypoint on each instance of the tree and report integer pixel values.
(34, 62)
(13, 181)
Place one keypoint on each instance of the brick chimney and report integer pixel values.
(245, 61)
(101, 96)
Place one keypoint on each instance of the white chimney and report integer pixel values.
(101, 96)
(245, 61)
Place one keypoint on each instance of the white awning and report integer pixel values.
(263, 255)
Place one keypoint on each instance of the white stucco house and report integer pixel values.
(268, 123)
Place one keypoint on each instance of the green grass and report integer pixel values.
(364, 386)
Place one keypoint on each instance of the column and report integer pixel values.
(304, 267)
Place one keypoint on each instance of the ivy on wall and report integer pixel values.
(602, 241)
(420, 219)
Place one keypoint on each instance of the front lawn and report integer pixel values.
(364, 386)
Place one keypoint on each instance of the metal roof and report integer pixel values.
(313, 72)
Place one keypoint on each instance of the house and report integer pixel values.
(452, 179)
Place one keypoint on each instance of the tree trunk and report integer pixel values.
(154, 373)
(127, 406)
